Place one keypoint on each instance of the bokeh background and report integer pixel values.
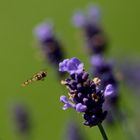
(19, 60)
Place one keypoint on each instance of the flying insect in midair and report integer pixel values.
(36, 77)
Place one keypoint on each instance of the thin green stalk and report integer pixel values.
(102, 131)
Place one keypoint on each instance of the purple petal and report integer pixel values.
(75, 60)
(63, 65)
(43, 31)
(71, 66)
(67, 103)
(109, 90)
(66, 106)
(80, 107)
(94, 13)
(93, 116)
(63, 99)
(79, 19)
(80, 68)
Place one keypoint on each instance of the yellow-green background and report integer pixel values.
(18, 62)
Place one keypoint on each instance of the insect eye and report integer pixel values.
(43, 74)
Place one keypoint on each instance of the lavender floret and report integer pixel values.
(71, 66)
(44, 31)
(109, 90)
(79, 19)
(67, 103)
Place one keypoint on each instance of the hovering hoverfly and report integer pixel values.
(36, 77)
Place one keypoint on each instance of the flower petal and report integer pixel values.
(94, 13)
(109, 90)
(71, 66)
(80, 107)
(43, 31)
(67, 103)
(79, 19)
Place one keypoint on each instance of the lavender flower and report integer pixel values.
(85, 95)
(71, 66)
(22, 119)
(67, 103)
(79, 19)
(50, 45)
(80, 107)
(95, 38)
(109, 90)
(44, 31)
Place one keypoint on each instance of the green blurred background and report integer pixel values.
(18, 62)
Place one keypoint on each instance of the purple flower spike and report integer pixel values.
(22, 120)
(79, 19)
(67, 103)
(83, 92)
(109, 90)
(80, 107)
(71, 66)
(44, 31)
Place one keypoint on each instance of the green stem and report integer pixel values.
(102, 131)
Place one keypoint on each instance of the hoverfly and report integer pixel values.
(36, 77)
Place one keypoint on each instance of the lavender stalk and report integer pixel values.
(102, 131)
